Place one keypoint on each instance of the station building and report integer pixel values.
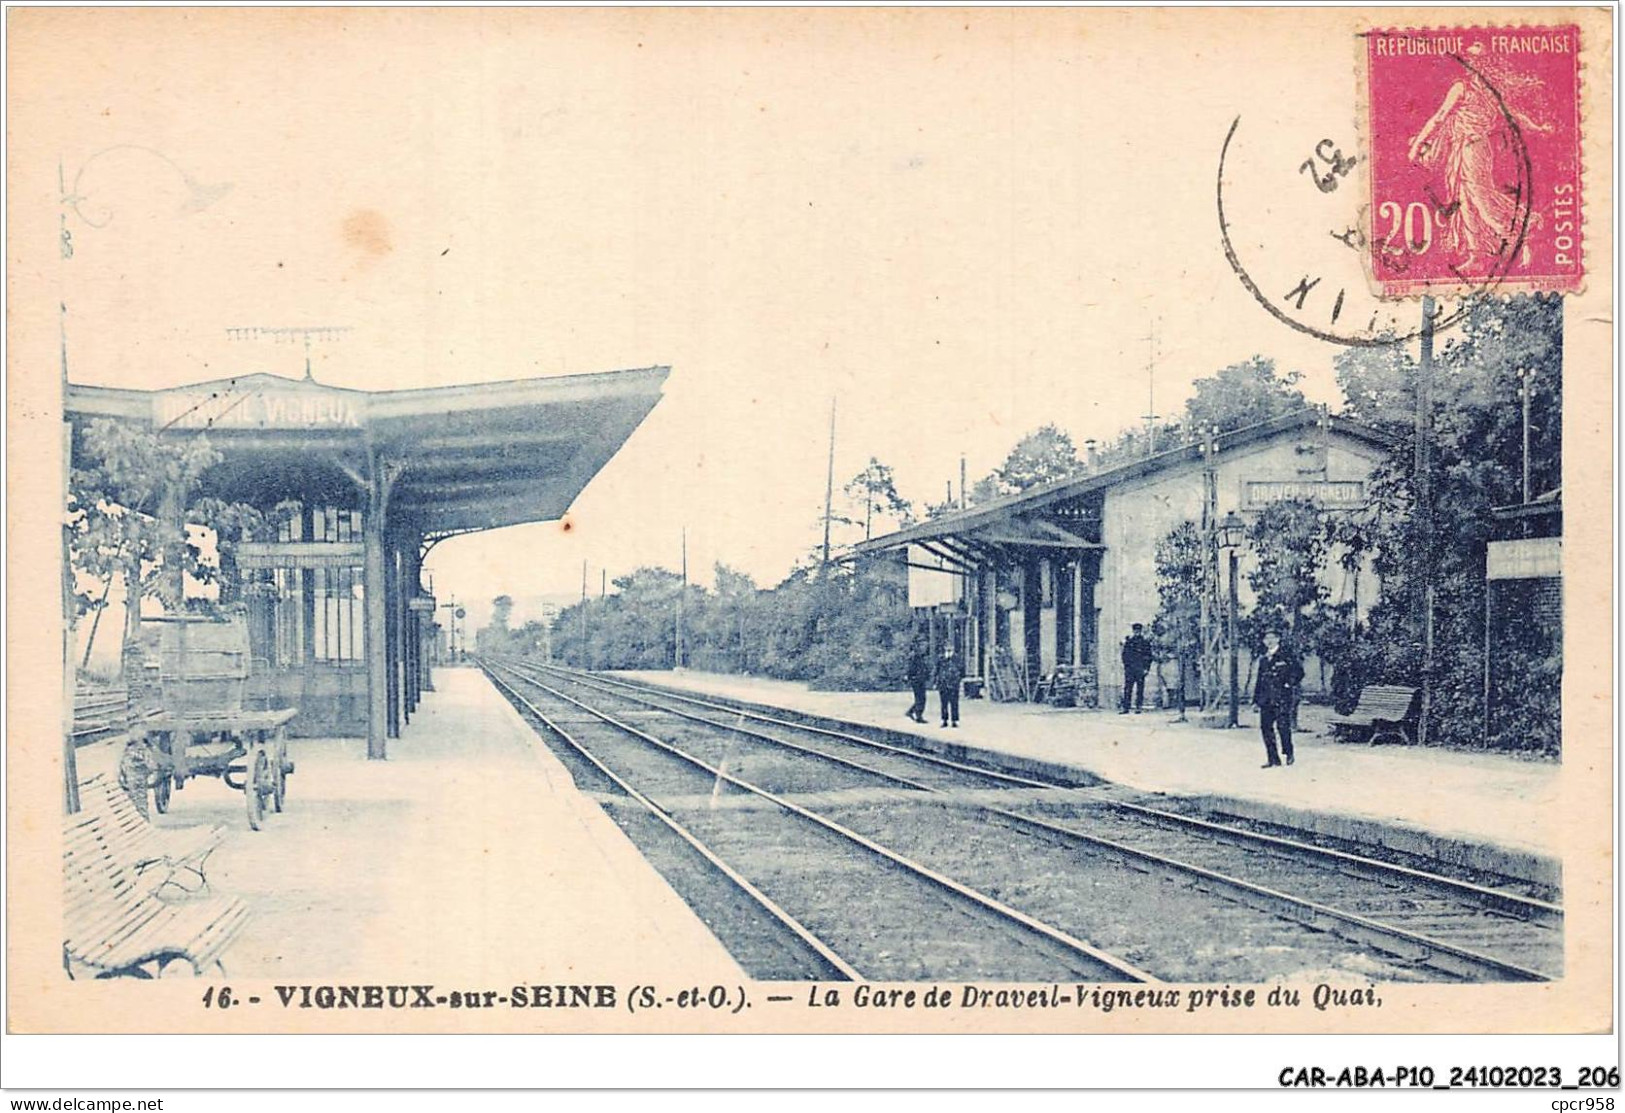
(1058, 575)
(362, 484)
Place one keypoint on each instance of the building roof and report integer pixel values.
(1004, 510)
(1550, 503)
(461, 458)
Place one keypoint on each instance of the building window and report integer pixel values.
(288, 618)
(337, 625)
(335, 525)
(291, 525)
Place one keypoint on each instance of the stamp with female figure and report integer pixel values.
(1475, 162)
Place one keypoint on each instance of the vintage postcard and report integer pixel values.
(936, 520)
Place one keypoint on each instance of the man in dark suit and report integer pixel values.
(919, 675)
(1136, 663)
(1275, 693)
(949, 674)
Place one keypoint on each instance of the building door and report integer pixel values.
(1032, 615)
(1066, 575)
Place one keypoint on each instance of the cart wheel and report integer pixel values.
(279, 775)
(160, 793)
(256, 780)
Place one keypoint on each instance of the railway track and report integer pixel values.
(1454, 928)
(764, 857)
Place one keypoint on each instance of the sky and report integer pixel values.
(956, 225)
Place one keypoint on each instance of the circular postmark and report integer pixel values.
(1319, 263)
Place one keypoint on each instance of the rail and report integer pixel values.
(1441, 954)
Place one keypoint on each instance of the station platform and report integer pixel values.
(468, 854)
(1487, 811)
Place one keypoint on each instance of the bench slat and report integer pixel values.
(1380, 709)
(178, 845)
(113, 919)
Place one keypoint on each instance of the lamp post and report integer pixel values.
(1231, 532)
(1525, 388)
(452, 622)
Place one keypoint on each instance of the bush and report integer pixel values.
(1526, 703)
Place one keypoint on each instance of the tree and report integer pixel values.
(232, 523)
(874, 489)
(1379, 387)
(725, 631)
(1243, 394)
(841, 628)
(1235, 397)
(1176, 632)
(117, 509)
(496, 637)
(1476, 465)
(1042, 456)
(1288, 541)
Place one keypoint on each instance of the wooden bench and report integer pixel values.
(115, 923)
(103, 714)
(1385, 713)
(176, 851)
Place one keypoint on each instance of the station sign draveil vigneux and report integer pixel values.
(257, 406)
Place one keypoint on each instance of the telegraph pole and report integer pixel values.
(682, 591)
(1210, 602)
(1525, 375)
(829, 482)
(1424, 512)
(1151, 414)
(70, 676)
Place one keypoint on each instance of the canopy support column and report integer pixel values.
(376, 559)
(410, 590)
(392, 636)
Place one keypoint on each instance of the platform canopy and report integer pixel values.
(1065, 514)
(388, 473)
(456, 459)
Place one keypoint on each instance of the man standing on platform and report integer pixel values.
(919, 676)
(1275, 693)
(1136, 663)
(950, 672)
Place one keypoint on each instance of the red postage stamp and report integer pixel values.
(1474, 139)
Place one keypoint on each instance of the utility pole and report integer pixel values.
(1151, 414)
(1230, 636)
(1424, 511)
(70, 676)
(1212, 660)
(962, 502)
(829, 482)
(681, 592)
(585, 661)
(1525, 374)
